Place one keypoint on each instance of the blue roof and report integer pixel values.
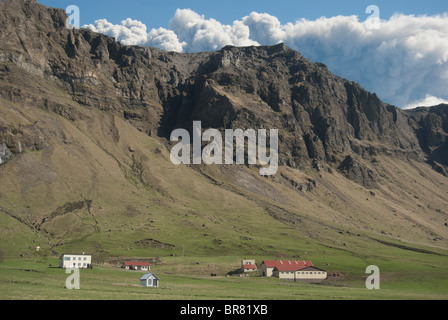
(148, 276)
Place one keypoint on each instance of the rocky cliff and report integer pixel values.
(431, 127)
(321, 117)
(85, 120)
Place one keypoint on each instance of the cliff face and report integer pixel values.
(84, 150)
(431, 128)
(320, 116)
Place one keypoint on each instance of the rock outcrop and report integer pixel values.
(320, 116)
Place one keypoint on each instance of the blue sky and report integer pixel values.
(156, 14)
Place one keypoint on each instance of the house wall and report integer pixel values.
(311, 275)
(265, 271)
(150, 282)
(142, 268)
(75, 261)
(284, 275)
(301, 275)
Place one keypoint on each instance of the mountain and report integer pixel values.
(85, 152)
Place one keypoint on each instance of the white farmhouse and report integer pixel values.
(77, 261)
(248, 266)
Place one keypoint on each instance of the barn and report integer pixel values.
(267, 266)
(289, 272)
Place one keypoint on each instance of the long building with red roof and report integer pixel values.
(267, 266)
(137, 265)
(292, 270)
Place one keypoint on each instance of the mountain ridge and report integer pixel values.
(85, 119)
(332, 115)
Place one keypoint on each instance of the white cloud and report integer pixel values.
(264, 28)
(202, 34)
(428, 101)
(129, 32)
(133, 32)
(404, 61)
(165, 39)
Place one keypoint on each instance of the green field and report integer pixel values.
(414, 277)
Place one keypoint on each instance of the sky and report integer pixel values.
(155, 14)
(403, 57)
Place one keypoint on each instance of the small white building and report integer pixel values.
(150, 280)
(248, 266)
(77, 261)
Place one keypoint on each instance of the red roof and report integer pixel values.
(137, 264)
(249, 266)
(288, 268)
(287, 265)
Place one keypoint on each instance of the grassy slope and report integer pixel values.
(98, 195)
(33, 279)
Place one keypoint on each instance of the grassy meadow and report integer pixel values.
(415, 276)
